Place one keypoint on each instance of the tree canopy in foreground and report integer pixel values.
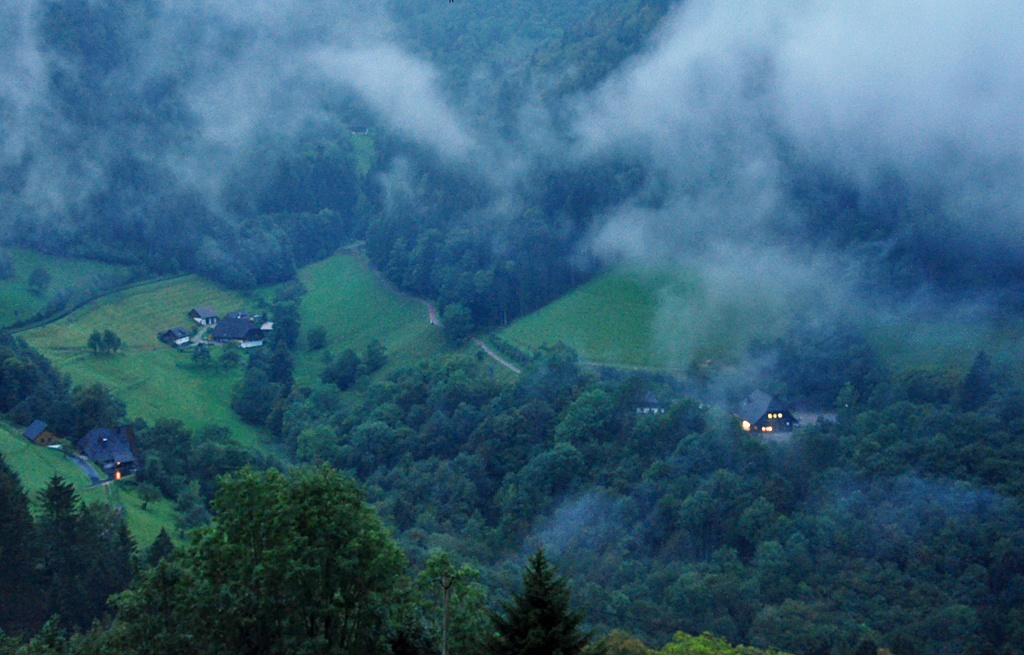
(294, 563)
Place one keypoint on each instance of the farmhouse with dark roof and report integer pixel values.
(39, 434)
(238, 326)
(759, 412)
(115, 451)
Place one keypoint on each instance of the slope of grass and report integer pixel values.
(635, 319)
(146, 372)
(66, 273)
(144, 519)
(365, 153)
(609, 320)
(35, 465)
(349, 301)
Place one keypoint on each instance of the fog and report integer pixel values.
(731, 95)
(767, 133)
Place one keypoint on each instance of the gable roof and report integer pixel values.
(229, 329)
(757, 404)
(238, 314)
(648, 399)
(204, 312)
(34, 430)
(176, 332)
(103, 445)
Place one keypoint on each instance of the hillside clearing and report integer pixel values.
(352, 305)
(607, 320)
(631, 319)
(145, 374)
(67, 275)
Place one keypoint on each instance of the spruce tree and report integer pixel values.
(16, 530)
(538, 620)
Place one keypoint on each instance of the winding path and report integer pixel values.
(90, 472)
(498, 358)
(432, 316)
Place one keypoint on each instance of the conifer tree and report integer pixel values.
(15, 535)
(538, 620)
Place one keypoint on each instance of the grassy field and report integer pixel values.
(144, 519)
(18, 303)
(365, 153)
(634, 319)
(354, 307)
(344, 297)
(35, 466)
(145, 374)
(609, 320)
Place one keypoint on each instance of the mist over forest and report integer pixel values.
(803, 174)
(844, 150)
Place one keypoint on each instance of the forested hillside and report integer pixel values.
(895, 525)
(821, 175)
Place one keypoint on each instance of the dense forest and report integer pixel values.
(896, 524)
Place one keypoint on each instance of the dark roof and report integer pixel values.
(230, 329)
(34, 430)
(239, 314)
(103, 445)
(757, 405)
(648, 399)
(176, 332)
(204, 312)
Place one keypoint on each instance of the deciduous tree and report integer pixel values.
(291, 563)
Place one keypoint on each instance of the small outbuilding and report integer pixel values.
(203, 315)
(39, 434)
(115, 451)
(759, 412)
(177, 335)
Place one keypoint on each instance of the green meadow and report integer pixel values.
(36, 465)
(144, 519)
(653, 320)
(17, 302)
(145, 373)
(608, 320)
(365, 153)
(346, 299)
(344, 296)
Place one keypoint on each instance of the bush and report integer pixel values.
(317, 338)
(458, 323)
(38, 280)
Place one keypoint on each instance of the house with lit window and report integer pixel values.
(115, 451)
(759, 412)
